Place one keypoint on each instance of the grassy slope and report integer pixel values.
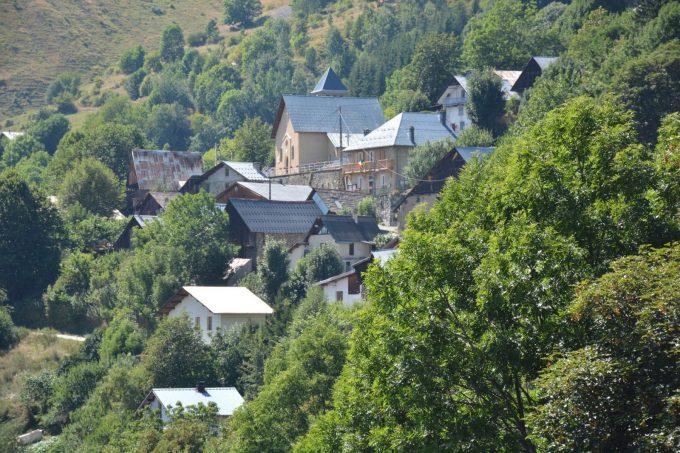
(41, 38)
(36, 352)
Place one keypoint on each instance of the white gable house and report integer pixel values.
(217, 307)
(227, 399)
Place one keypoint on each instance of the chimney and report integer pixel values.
(442, 118)
(412, 134)
(200, 386)
(366, 132)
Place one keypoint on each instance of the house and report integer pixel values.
(351, 236)
(454, 97)
(266, 191)
(154, 203)
(348, 287)
(427, 190)
(310, 131)
(227, 399)
(252, 222)
(376, 162)
(533, 70)
(124, 241)
(216, 307)
(160, 171)
(222, 175)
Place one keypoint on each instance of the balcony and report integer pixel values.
(452, 102)
(368, 166)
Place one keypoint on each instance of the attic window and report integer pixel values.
(226, 171)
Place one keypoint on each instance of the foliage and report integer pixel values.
(474, 136)
(197, 39)
(241, 12)
(172, 44)
(133, 83)
(71, 389)
(485, 105)
(424, 157)
(122, 336)
(620, 391)
(65, 85)
(212, 33)
(92, 185)
(176, 356)
(20, 148)
(49, 131)
(211, 84)
(30, 239)
(298, 380)
(8, 333)
(132, 59)
(189, 428)
(252, 142)
(367, 207)
(32, 169)
(168, 125)
(650, 87)
(273, 267)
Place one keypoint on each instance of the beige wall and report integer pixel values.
(385, 180)
(410, 203)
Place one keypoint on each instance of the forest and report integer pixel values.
(535, 307)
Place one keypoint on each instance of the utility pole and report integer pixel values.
(340, 121)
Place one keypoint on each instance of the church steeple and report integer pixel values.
(330, 85)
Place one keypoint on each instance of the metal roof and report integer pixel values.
(383, 256)
(344, 229)
(144, 220)
(167, 170)
(427, 128)
(11, 135)
(228, 299)
(279, 192)
(265, 216)
(247, 169)
(544, 62)
(227, 399)
(330, 84)
(322, 114)
(468, 153)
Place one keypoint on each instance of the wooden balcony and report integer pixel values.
(368, 166)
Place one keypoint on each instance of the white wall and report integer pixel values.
(156, 405)
(219, 180)
(330, 291)
(361, 250)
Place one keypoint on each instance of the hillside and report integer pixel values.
(42, 38)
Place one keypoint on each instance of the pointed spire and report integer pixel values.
(330, 85)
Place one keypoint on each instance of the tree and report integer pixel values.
(132, 59)
(616, 393)
(211, 84)
(212, 33)
(30, 238)
(8, 333)
(650, 87)
(434, 62)
(424, 157)
(92, 185)
(168, 125)
(367, 207)
(176, 356)
(172, 44)
(133, 82)
(474, 136)
(273, 267)
(170, 87)
(66, 85)
(252, 142)
(485, 104)
(72, 388)
(49, 131)
(241, 12)
(19, 148)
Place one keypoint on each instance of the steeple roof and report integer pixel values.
(330, 85)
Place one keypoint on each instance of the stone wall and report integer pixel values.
(322, 179)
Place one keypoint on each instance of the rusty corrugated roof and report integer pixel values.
(165, 171)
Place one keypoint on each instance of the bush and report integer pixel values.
(197, 39)
(132, 60)
(366, 207)
(8, 333)
(67, 83)
(133, 83)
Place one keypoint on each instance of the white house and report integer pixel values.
(222, 175)
(453, 99)
(217, 307)
(227, 399)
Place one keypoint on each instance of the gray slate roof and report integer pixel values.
(264, 216)
(228, 399)
(344, 229)
(330, 85)
(167, 170)
(468, 153)
(280, 192)
(322, 114)
(544, 62)
(395, 132)
(246, 169)
(335, 200)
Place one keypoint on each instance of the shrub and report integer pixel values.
(197, 39)
(132, 60)
(8, 333)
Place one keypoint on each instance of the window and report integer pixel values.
(280, 153)
(197, 322)
(226, 172)
(348, 266)
(292, 152)
(209, 323)
(351, 250)
(338, 296)
(462, 125)
(460, 110)
(383, 180)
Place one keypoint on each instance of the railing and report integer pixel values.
(304, 168)
(449, 102)
(367, 166)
